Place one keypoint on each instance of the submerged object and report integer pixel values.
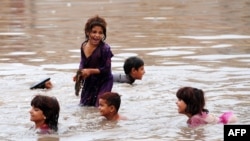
(41, 84)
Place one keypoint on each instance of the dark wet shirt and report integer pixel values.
(123, 78)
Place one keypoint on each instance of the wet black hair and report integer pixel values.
(50, 107)
(194, 99)
(132, 62)
(112, 98)
(95, 21)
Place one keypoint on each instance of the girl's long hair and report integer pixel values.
(50, 107)
(194, 99)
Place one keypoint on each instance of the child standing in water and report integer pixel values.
(134, 70)
(45, 113)
(191, 102)
(95, 64)
(109, 104)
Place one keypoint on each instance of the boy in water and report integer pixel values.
(109, 104)
(133, 68)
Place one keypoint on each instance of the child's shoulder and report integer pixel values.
(122, 78)
(122, 117)
(198, 119)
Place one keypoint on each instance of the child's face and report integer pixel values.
(181, 106)
(96, 35)
(104, 109)
(48, 85)
(138, 74)
(36, 115)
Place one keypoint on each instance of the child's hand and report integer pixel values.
(85, 73)
(74, 78)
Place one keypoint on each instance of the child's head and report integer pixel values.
(134, 66)
(193, 98)
(109, 102)
(44, 84)
(48, 85)
(95, 21)
(45, 108)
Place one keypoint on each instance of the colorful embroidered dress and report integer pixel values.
(96, 84)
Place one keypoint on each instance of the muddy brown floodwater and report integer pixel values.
(204, 44)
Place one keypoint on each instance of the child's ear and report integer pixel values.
(112, 108)
(133, 70)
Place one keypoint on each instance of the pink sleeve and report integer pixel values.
(227, 117)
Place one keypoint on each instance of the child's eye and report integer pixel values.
(36, 109)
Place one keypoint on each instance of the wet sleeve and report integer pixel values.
(120, 78)
(107, 54)
(81, 59)
(80, 65)
(227, 117)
